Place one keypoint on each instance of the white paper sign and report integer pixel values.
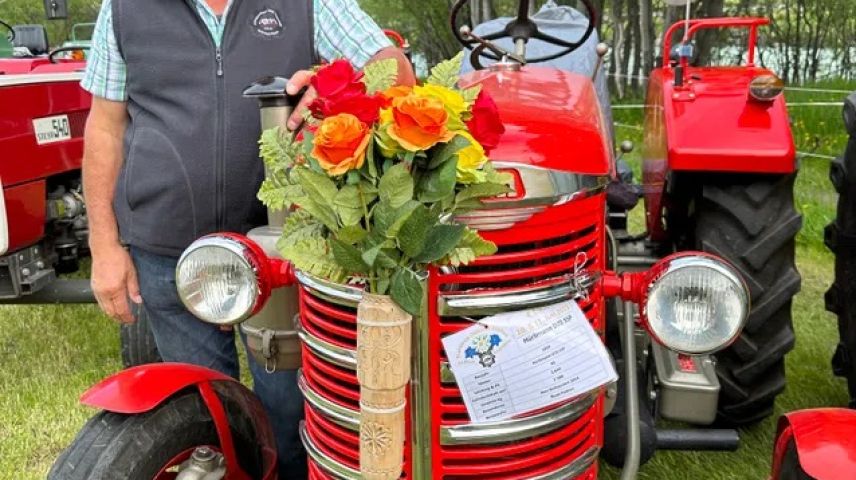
(516, 362)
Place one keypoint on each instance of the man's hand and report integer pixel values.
(302, 78)
(114, 281)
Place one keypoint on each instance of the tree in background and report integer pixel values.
(19, 12)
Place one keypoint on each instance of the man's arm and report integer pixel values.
(406, 76)
(114, 278)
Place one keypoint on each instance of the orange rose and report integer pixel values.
(397, 91)
(419, 123)
(340, 143)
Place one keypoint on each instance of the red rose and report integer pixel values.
(365, 107)
(486, 126)
(338, 79)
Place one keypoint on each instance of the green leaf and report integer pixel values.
(352, 234)
(276, 149)
(317, 185)
(440, 183)
(387, 258)
(383, 282)
(388, 220)
(396, 186)
(440, 242)
(348, 257)
(471, 246)
(470, 94)
(322, 212)
(448, 150)
(370, 255)
(371, 169)
(407, 291)
(446, 73)
(482, 190)
(348, 205)
(411, 235)
(380, 75)
(311, 255)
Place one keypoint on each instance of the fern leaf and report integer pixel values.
(446, 72)
(378, 76)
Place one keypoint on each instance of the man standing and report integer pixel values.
(171, 154)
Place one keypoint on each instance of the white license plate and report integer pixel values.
(52, 129)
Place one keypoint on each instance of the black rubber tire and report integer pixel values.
(751, 221)
(791, 468)
(112, 446)
(138, 342)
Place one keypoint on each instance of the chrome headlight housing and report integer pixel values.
(222, 278)
(695, 303)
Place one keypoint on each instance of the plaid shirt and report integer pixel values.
(342, 30)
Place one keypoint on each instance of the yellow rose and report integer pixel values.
(470, 161)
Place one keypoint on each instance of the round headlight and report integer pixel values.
(766, 87)
(696, 304)
(219, 280)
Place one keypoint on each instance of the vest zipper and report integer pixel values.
(219, 55)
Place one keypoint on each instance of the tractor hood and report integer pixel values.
(552, 119)
(713, 123)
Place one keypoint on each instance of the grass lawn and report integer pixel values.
(50, 354)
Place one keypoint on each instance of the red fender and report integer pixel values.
(140, 389)
(824, 439)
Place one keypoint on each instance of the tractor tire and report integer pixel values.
(138, 342)
(840, 238)
(751, 221)
(113, 446)
(790, 468)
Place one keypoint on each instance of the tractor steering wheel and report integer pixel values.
(52, 55)
(11, 31)
(521, 28)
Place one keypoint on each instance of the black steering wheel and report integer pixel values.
(11, 35)
(521, 28)
(52, 55)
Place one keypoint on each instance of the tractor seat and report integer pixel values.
(32, 37)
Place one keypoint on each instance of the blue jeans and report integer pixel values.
(181, 337)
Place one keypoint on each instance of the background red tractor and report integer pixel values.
(44, 230)
(719, 165)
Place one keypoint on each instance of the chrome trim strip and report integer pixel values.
(334, 354)
(346, 358)
(329, 465)
(338, 414)
(333, 292)
(488, 304)
(30, 78)
(548, 187)
(518, 428)
(573, 469)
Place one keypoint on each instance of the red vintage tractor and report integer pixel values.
(45, 232)
(671, 321)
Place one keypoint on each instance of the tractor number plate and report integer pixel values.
(52, 129)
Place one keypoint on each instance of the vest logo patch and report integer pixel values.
(267, 23)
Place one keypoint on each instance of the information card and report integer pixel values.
(516, 362)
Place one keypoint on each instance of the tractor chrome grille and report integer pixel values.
(539, 253)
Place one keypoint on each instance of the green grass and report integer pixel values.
(51, 354)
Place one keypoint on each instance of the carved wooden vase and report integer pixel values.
(383, 370)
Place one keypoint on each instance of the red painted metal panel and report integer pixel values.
(21, 158)
(140, 389)
(25, 213)
(565, 132)
(824, 439)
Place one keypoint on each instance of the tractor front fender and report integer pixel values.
(824, 442)
(142, 388)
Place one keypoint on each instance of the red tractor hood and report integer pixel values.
(552, 119)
